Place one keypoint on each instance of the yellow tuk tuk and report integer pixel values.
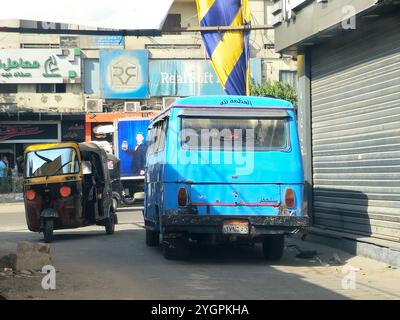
(67, 185)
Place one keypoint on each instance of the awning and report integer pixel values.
(116, 14)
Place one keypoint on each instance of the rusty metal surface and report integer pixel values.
(69, 209)
(171, 219)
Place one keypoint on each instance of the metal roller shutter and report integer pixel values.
(355, 92)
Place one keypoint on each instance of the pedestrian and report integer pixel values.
(4, 174)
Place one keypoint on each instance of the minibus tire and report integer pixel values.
(273, 246)
(48, 229)
(152, 238)
(176, 249)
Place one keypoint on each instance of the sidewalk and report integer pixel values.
(11, 197)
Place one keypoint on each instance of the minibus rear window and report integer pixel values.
(234, 133)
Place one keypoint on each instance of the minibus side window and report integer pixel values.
(160, 131)
(150, 140)
(163, 133)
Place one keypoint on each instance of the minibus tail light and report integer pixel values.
(289, 198)
(30, 195)
(65, 191)
(182, 197)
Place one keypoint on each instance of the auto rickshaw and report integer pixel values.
(119, 197)
(67, 185)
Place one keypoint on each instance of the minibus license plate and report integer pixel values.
(235, 227)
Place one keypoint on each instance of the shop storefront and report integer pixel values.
(18, 130)
(349, 120)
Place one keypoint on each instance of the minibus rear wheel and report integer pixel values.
(273, 246)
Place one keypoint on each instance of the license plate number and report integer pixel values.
(235, 227)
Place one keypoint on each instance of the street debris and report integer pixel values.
(8, 261)
(26, 272)
(32, 255)
(304, 254)
(6, 272)
(335, 260)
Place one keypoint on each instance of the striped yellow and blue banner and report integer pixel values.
(228, 50)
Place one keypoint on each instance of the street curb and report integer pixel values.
(382, 253)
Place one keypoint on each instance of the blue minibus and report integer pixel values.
(223, 169)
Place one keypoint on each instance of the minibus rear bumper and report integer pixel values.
(213, 224)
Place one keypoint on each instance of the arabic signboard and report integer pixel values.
(124, 74)
(73, 131)
(69, 42)
(40, 65)
(106, 41)
(29, 132)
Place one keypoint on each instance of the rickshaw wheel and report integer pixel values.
(115, 204)
(48, 230)
(273, 246)
(110, 224)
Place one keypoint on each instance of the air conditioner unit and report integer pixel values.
(132, 106)
(167, 101)
(93, 105)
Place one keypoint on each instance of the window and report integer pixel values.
(234, 133)
(288, 76)
(173, 21)
(48, 25)
(39, 45)
(157, 136)
(51, 162)
(51, 88)
(91, 76)
(8, 88)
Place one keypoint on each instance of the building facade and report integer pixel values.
(348, 55)
(57, 78)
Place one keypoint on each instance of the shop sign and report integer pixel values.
(183, 78)
(29, 132)
(73, 131)
(40, 65)
(124, 74)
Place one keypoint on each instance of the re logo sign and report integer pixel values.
(124, 75)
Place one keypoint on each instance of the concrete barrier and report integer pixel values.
(32, 255)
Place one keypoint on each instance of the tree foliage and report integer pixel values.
(274, 89)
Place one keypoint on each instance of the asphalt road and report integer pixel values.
(93, 265)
